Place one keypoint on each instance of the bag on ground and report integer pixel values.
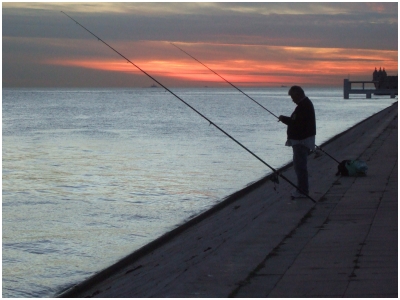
(352, 168)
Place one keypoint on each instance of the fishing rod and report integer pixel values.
(318, 147)
(226, 80)
(191, 107)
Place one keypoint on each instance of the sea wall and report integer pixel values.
(220, 233)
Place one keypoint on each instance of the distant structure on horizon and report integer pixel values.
(384, 85)
(383, 81)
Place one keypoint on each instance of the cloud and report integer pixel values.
(268, 64)
(252, 42)
(335, 24)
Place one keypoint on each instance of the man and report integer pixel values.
(301, 133)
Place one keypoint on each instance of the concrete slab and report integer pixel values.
(259, 243)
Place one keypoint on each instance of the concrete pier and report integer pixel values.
(365, 89)
(260, 243)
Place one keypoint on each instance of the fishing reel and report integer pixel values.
(275, 179)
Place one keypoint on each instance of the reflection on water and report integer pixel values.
(91, 175)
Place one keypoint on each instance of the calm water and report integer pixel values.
(89, 176)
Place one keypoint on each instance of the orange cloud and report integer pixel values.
(281, 65)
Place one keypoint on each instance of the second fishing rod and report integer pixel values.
(191, 107)
(231, 84)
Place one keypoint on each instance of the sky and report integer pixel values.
(257, 44)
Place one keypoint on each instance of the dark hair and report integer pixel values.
(296, 90)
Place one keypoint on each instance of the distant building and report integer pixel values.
(383, 81)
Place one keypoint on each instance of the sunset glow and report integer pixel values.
(318, 66)
(255, 44)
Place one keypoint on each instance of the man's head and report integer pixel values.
(296, 93)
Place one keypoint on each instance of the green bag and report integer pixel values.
(355, 167)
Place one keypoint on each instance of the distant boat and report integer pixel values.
(154, 86)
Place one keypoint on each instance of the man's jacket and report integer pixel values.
(301, 124)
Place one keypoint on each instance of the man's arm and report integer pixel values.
(286, 120)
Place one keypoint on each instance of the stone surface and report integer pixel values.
(263, 244)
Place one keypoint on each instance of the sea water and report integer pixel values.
(91, 175)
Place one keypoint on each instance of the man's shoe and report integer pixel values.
(297, 195)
